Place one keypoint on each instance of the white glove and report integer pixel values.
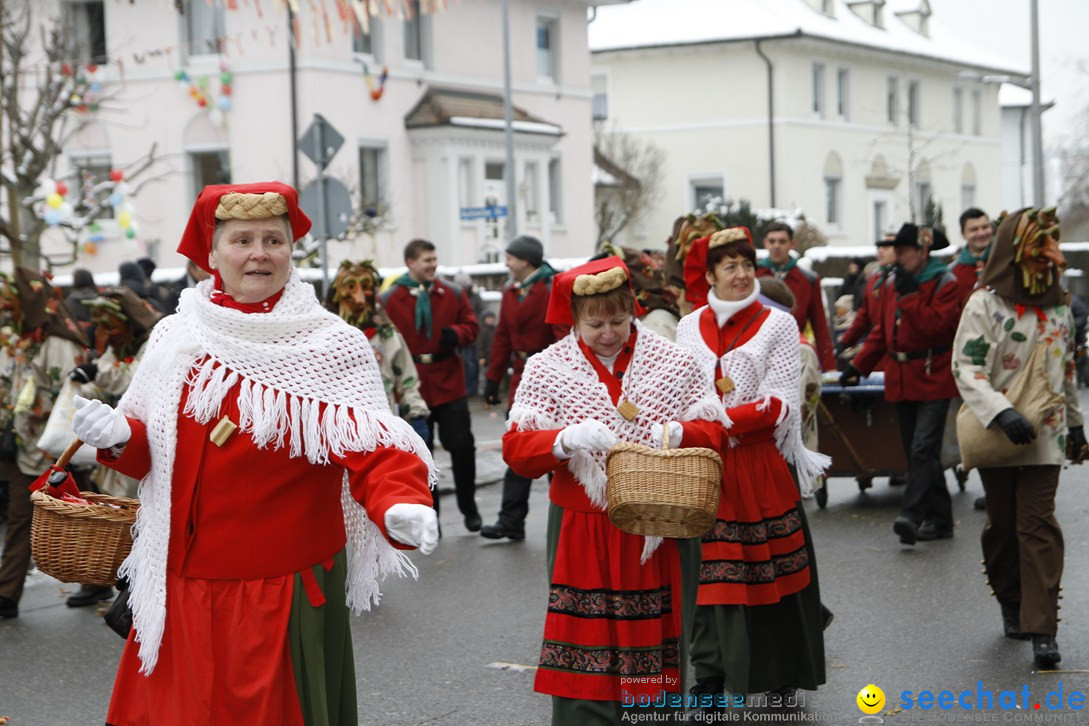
(590, 435)
(415, 525)
(676, 433)
(98, 425)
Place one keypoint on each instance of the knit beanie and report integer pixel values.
(527, 248)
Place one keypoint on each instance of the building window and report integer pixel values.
(832, 200)
(967, 196)
(706, 193)
(880, 218)
(209, 167)
(372, 177)
(532, 194)
(366, 43)
(547, 37)
(415, 34)
(89, 171)
(922, 199)
(892, 100)
(977, 112)
(818, 89)
(205, 24)
(842, 93)
(555, 190)
(913, 104)
(828, 7)
(958, 110)
(600, 102)
(85, 21)
(493, 171)
(466, 192)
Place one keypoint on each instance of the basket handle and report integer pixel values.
(665, 436)
(67, 454)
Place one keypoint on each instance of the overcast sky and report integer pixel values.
(1002, 26)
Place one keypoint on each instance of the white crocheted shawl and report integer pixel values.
(560, 387)
(287, 362)
(767, 365)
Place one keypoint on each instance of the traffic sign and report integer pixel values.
(330, 209)
(469, 213)
(320, 142)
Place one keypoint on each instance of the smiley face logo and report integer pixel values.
(871, 699)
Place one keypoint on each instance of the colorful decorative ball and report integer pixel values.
(116, 200)
(130, 233)
(124, 220)
(54, 200)
(224, 103)
(91, 248)
(62, 188)
(52, 217)
(116, 175)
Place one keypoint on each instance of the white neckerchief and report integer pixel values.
(726, 309)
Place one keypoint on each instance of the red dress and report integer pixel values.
(224, 656)
(755, 554)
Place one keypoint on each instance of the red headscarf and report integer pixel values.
(695, 267)
(196, 242)
(563, 284)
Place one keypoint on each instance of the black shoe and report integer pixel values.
(1045, 651)
(906, 528)
(500, 530)
(8, 608)
(473, 522)
(930, 531)
(1011, 621)
(90, 595)
(711, 684)
(980, 504)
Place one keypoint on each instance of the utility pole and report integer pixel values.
(1035, 109)
(512, 224)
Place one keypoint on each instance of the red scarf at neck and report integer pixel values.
(221, 298)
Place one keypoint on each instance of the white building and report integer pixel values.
(419, 147)
(855, 111)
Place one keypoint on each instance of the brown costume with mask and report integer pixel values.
(1021, 306)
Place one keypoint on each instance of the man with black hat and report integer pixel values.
(913, 332)
(522, 331)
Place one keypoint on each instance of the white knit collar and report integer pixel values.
(726, 309)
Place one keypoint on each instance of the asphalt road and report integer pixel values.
(458, 645)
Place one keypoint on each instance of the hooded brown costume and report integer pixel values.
(1021, 306)
(45, 344)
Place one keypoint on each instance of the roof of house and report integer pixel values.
(454, 107)
(663, 23)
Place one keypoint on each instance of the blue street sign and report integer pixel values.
(468, 213)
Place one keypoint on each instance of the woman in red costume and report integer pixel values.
(612, 633)
(758, 619)
(276, 486)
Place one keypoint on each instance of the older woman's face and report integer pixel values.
(253, 257)
(605, 335)
(733, 278)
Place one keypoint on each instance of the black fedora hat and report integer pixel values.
(911, 235)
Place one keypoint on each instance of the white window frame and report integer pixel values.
(914, 99)
(195, 13)
(422, 22)
(85, 47)
(202, 149)
(555, 190)
(599, 102)
(958, 110)
(892, 100)
(375, 53)
(553, 22)
(817, 79)
(843, 93)
(707, 180)
(80, 160)
(381, 168)
(967, 195)
(977, 112)
(833, 200)
(531, 196)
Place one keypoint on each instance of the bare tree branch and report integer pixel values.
(629, 184)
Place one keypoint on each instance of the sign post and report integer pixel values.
(320, 142)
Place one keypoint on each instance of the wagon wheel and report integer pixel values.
(864, 482)
(961, 475)
(822, 496)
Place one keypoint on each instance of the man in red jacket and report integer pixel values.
(977, 231)
(913, 332)
(436, 320)
(805, 285)
(862, 323)
(522, 332)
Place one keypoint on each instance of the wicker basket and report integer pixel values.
(663, 492)
(83, 543)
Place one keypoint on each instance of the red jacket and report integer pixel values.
(808, 308)
(967, 276)
(522, 331)
(863, 322)
(914, 335)
(441, 380)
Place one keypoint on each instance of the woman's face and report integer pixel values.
(253, 257)
(605, 335)
(733, 278)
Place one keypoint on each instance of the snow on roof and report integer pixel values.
(529, 127)
(658, 23)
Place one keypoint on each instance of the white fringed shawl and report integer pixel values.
(287, 362)
(767, 365)
(559, 388)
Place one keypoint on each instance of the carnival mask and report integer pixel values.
(355, 291)
(1036, 244)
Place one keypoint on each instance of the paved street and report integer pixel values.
(454, 647)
